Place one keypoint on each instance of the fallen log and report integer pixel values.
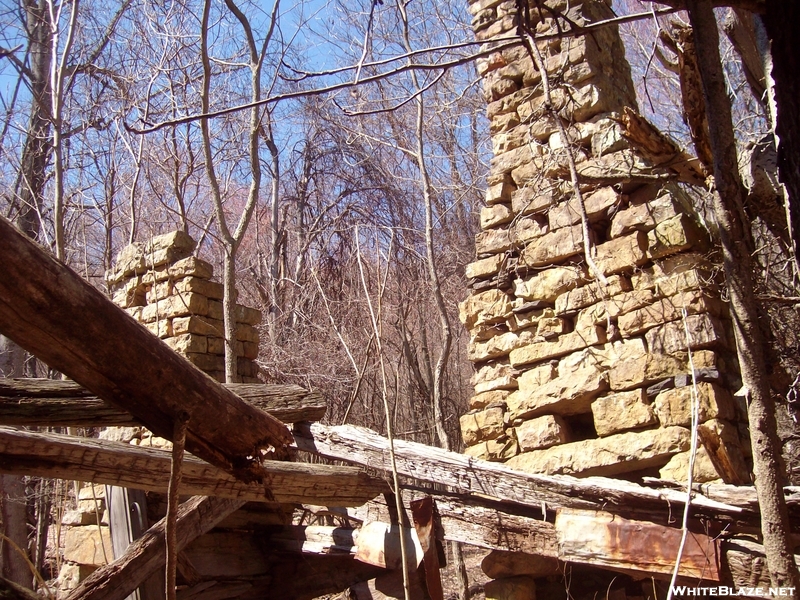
(121, 577)
(49, 310)
(125, 465)
(32, 402)
(481, 479)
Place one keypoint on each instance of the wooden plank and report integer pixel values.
(118, 579)
(49, 310)
(482, 479)
(56, 402)
(607, 540)
(115, 463)
(30, 402)
(425, 521)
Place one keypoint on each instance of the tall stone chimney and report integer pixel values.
(572, 375)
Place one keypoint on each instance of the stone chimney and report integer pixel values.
(572, 375)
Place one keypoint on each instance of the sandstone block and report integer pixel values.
(669, 285)
(161, 329)
(499, 345)
(705, 331)
(482, 425)
(551, 327)
(508, 161)
(493, 241)
(186, 267)
(642, 370)
(622, 254)
(592, 293)
(131, 293)
(613, 307)
(528, 228)
(217, 346)
(86, 546)
(607, 138)
(622, 411)
(643, 217)
(618, 167)
(496, 214)
(533, 199)
(188, 342)
(76, 518)
(484, 399)
(596, 204)
(485, 267)
(494, 376)
(675, 235)
(493, 450)
(198, 325)
(550, 283)
(674, 407)
(564, 344)
(92, 492)
(603, 357)
(249, 350)
(499, 192)
(499, 564)
(532, 379)
(607, 456)
(721, 441)
(677, 469)
(553, 247)
(542, 432)
(70, 575)
(569, 394)
(491, 306)
(179, 305)
(511, 588)
(242, 314)
(529, 319)
(209, 289)
(666, 310)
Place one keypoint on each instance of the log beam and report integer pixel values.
(32, 402)
(481, 479)
(115, 463)
(49, 310)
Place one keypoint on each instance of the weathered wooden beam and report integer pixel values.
(115, 463)
(118, 579)
(31, 402)
(481, 479)
(49, 310)
(605, 540)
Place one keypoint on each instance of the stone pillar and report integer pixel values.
(573, 376)
(161, 285)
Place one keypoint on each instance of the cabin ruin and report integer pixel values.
(593, 321)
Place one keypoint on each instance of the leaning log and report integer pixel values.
(115, 463)
(147, 554)
(55, 403)
(481, 479)
(49, 310)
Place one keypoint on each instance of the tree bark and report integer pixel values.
(52, 312)
(739, 271)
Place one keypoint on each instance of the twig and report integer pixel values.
(178, 444)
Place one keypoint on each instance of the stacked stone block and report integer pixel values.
(573, 375)
(161, 285)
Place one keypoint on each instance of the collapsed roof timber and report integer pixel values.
(132, 377)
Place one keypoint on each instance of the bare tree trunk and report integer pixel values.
(739, 269)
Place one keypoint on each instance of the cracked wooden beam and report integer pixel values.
(52, 312)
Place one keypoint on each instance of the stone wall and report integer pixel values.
(572, 375)
(161, 285)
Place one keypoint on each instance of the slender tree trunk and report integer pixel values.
(739, 269)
